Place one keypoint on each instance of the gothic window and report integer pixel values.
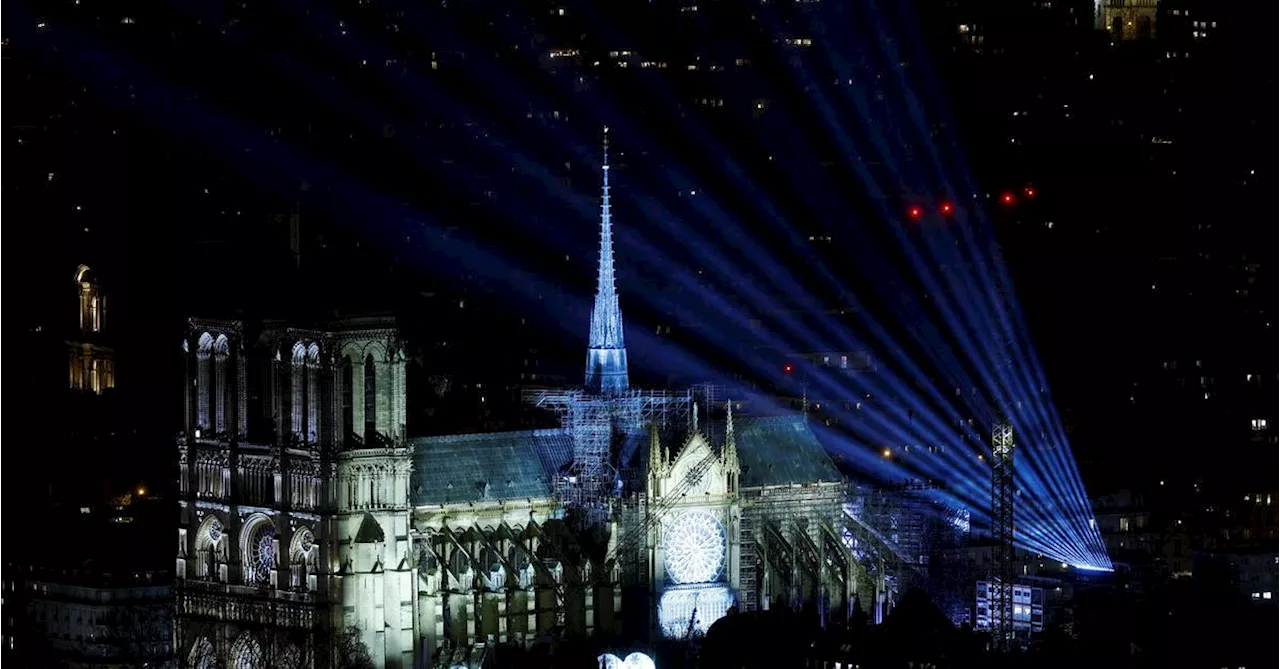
(695, 548)
(204, 353)
(370, 399)
(313, 393)
(260, 554)
(348, 400)
(221, 389)
(208, 547)
(246, 653)
(298, 378)
(459, 562)
(202, 655)
(302, 558)
(517, 559)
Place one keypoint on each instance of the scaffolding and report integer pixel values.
(792, 533)
(1003, 558)
(595, 424)
(903, 515)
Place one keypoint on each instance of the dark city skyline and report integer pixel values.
(290, 251)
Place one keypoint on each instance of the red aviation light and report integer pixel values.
(1029, 191)
(915, 213)
(947, 208)
(787, 368)
(1007, 198)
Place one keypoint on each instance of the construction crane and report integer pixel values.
(1002, 563)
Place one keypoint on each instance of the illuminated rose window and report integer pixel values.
(262, 554)
(695, 548)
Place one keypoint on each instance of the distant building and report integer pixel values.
(1028, 608)
(93, 620)
(1127, 20)
(93, 364)
(79, 600)
(1256, 574)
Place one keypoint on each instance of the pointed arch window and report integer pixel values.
(246, 653)
(221, 389)
(302, 560)
(313, 393)
(348, 400)
(298, 373)
(204, 381)
(370, 399)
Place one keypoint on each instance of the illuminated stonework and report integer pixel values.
(321, 515)
(246, 653)
(632, 661)
(692, 609)
(695, 548)
(264, 556)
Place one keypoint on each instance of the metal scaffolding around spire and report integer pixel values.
(606, 352)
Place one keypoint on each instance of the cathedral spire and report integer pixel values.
(730, 453)
(606, 353)
(728, 422)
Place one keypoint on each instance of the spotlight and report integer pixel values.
(947, 208)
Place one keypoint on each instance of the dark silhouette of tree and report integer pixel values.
(774, 638)
(350, 651)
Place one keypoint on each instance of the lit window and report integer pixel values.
(1124, 524)
(1266, 595)
(1258, 424)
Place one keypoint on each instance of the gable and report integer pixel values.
(696, 450)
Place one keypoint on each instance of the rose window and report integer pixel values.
(263, 553)
(306, 541)
(695, 548)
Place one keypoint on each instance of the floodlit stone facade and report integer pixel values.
(293, 483)
(294, 528)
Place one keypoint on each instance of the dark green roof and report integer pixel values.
(493, 466)
(781, 450)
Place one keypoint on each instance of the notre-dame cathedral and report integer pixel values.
(307, 510)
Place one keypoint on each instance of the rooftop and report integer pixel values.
(493, 466)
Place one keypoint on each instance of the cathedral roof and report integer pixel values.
(493, 466)
(782, 450)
